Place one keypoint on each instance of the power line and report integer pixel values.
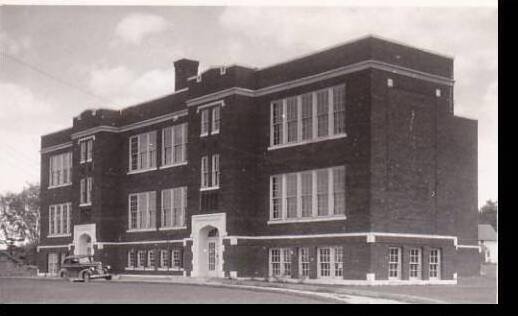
(44, 73)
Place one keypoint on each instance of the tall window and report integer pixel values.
(174, 204)
(304, 263)
(394, 263)
(176, 257)
(141, 258)
(215, 170)
(311, 116)
(86, 147)
(323, 113)
(339, 190)
(291, 195)
(292, 119)
(308, 195)
(215, 119)
(86, 191)
(164, 259)
(415, 264)
(60, 169)
(131, 258)
(59, 219)
(174, 148)
(205, 122)
(276, 197)
(151, 258)
(339, 109)
(142, 210)
(323, 192)
(277, 122)
(330, 262)
(280, 262)
(434, 269)
(205, 172)
(143, 151)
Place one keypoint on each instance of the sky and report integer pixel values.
(57, 61)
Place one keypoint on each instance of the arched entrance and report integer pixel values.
(207, 248)
(84, 245)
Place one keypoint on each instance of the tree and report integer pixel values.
(20, 215)
(488, 214)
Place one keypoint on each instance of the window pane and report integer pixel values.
(339, 190)
(205, 121)
(323, 112)
(291, 195)
(339, 109)
(277, 121)
(307, 116)
(167, 145)
(323, 192)
(292, 119)
(134, 153)
(276, 197)
(307, 194)
(215, 119)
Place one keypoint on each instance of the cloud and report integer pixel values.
(125, 87)
(136, 26)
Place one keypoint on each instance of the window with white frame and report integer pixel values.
(280, 262)
(141, 259)
(176, 259)
(307, 195)
(205, 124)
(86, 148)
(85, 186)
(142, 210)
(415, 264)
(174, 204)
(434, 270)
(164, 259)
(59, 219)
(131, 259)
(330, 262)
(142, 149)
(311, 116)
(60, 169)
(151, 258)
(174, 145)
(304, 262)
(215, 170)
(215, 119)
(210, 179)
(394, 263)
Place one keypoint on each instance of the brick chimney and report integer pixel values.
(183, 69)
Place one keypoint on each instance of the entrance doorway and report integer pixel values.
(84, 245)
(212, 252)
(207, 246)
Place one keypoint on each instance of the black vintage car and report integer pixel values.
(83, 268)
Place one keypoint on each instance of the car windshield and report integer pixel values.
(84, 260)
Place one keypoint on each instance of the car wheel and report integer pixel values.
(108, 278)
(63, 275)
(86, 277)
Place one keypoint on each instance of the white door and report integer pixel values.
(53, 263)
(212, 257)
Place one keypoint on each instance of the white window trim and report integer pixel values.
(184, 127)
(60, 186)
(399, 271)
(178, 164)
(332, 271)
(61, 167)
(439, 263)
(183, 207)
(139, 169)
(215, 131)
(147, 229)
(57, 219)
(419, 263)
(209, 188)
(205, 133)
(142, 170)
(282, 269)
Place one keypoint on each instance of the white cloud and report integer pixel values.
(125, 87)
(134, 27)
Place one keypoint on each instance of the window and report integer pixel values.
(277, 122)
(308, 117)
(164, 259)
(323, 113)
(86, 191)
(304, 263)
(280, 262)
(174, 204)
(308, 195)
(142, 210)
(330, 262)
(291, 195)
(176, 257)
(394, 264)
(415, 264)
(53, 263)
(339, 190)
(215, 170)
(205, 172)
(60, 169)
(210, 178)
(143, 151)
(292, 119)
(276, 197)
(174, 148)
(204, 122)
(141, 259)
(59, 219)
(435, 264)
(86, 147)
(215, 119)
(131, 259)
(322, 192)
(151, 258)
